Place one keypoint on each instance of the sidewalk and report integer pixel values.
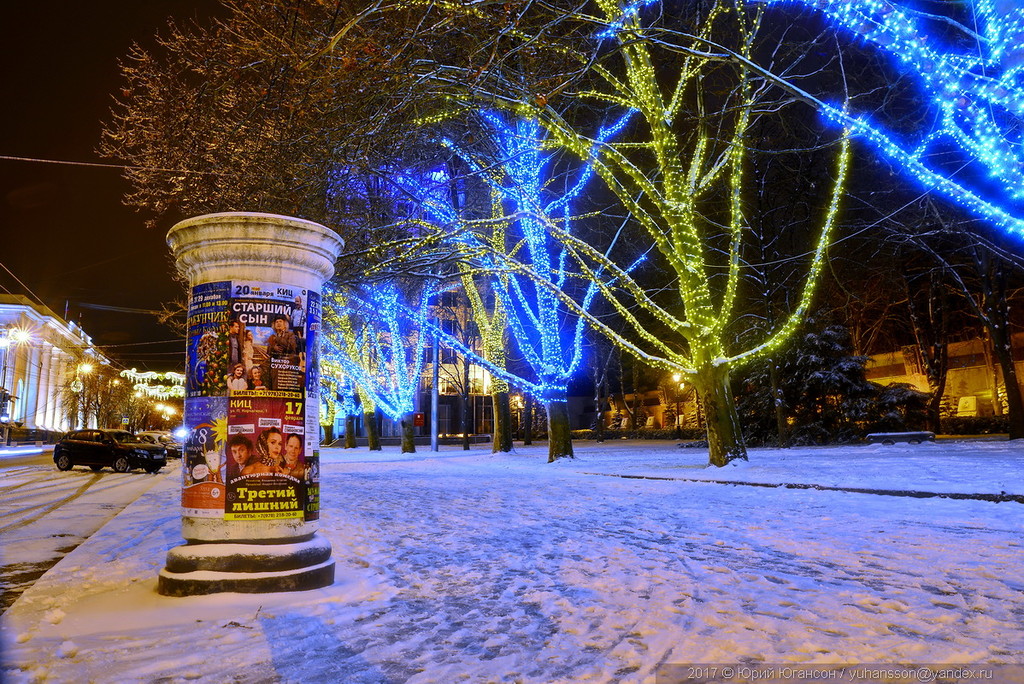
(105, 590)
(492, 568)
(27, 450)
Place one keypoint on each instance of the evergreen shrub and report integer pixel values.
(976, 425)
(643, 433)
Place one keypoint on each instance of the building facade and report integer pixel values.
(974, 382)
(40, 356)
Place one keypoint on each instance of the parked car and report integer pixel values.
(164, 439)
(117, 449)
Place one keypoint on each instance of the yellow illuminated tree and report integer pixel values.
(671, 174)
(680, 170)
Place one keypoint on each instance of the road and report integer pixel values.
(45, 514)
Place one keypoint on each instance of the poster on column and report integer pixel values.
(277, 330)
(202, 463)
(266, 465)
(208, 340)
(252, 355)
(312, 444)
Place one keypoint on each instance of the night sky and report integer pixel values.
(65, 232)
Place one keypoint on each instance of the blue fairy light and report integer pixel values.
(975, 90)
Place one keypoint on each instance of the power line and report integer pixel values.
(18, 280)
(63, 162)
(178, 340)
(119, 309)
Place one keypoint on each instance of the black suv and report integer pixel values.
(118, 449)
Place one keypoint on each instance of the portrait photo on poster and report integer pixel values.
(266, 339)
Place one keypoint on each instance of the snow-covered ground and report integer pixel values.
(501, 568)
(44, 513)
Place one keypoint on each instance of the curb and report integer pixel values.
(994, 498)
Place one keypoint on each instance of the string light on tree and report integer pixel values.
(974, 88)
(667, 202)
(378, 348)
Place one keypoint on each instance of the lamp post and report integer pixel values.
(676, 387)
(78, 387)
(517, 404)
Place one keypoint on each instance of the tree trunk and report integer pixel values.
(559, 435)
(634, 414)
(528, 420)
(372, 435)
(350, 432)
(600, 383)
(997, 322)
(725, 439)
(501, 408)
(1014, 398)
(933, 417)
(408, 434)
(599, 423)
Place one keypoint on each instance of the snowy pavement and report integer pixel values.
(502, 568)
(45, 513)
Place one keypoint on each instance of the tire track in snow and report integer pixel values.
(49, 507)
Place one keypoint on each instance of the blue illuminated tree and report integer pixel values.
(966, 60)
(969, 63)
(337, 398)
(377, 338)
(515, 251)
(438, 197)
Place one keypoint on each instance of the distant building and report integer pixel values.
(40, 354)
(974, 383)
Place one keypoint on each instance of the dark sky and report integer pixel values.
(65, 232)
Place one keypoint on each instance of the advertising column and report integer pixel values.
(250, 468)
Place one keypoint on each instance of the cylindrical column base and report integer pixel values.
(197, 569)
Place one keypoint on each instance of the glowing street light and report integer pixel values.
(20, 336)
(676, 378)
(17, 337)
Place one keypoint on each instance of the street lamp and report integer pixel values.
(10, 337)
(676, 387)
(517, 404)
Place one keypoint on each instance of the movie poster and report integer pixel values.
(254, 346)
(266, 464)
(267, 339)
(202, 462)
(207, 354)
(312, 447)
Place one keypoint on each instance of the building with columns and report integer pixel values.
(40, 354)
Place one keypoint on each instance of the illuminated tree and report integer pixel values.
(967, 63)
(337, 398)
(367, 336)
(680, 171)
(968, 59)
(437, 197)
(519, 173)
